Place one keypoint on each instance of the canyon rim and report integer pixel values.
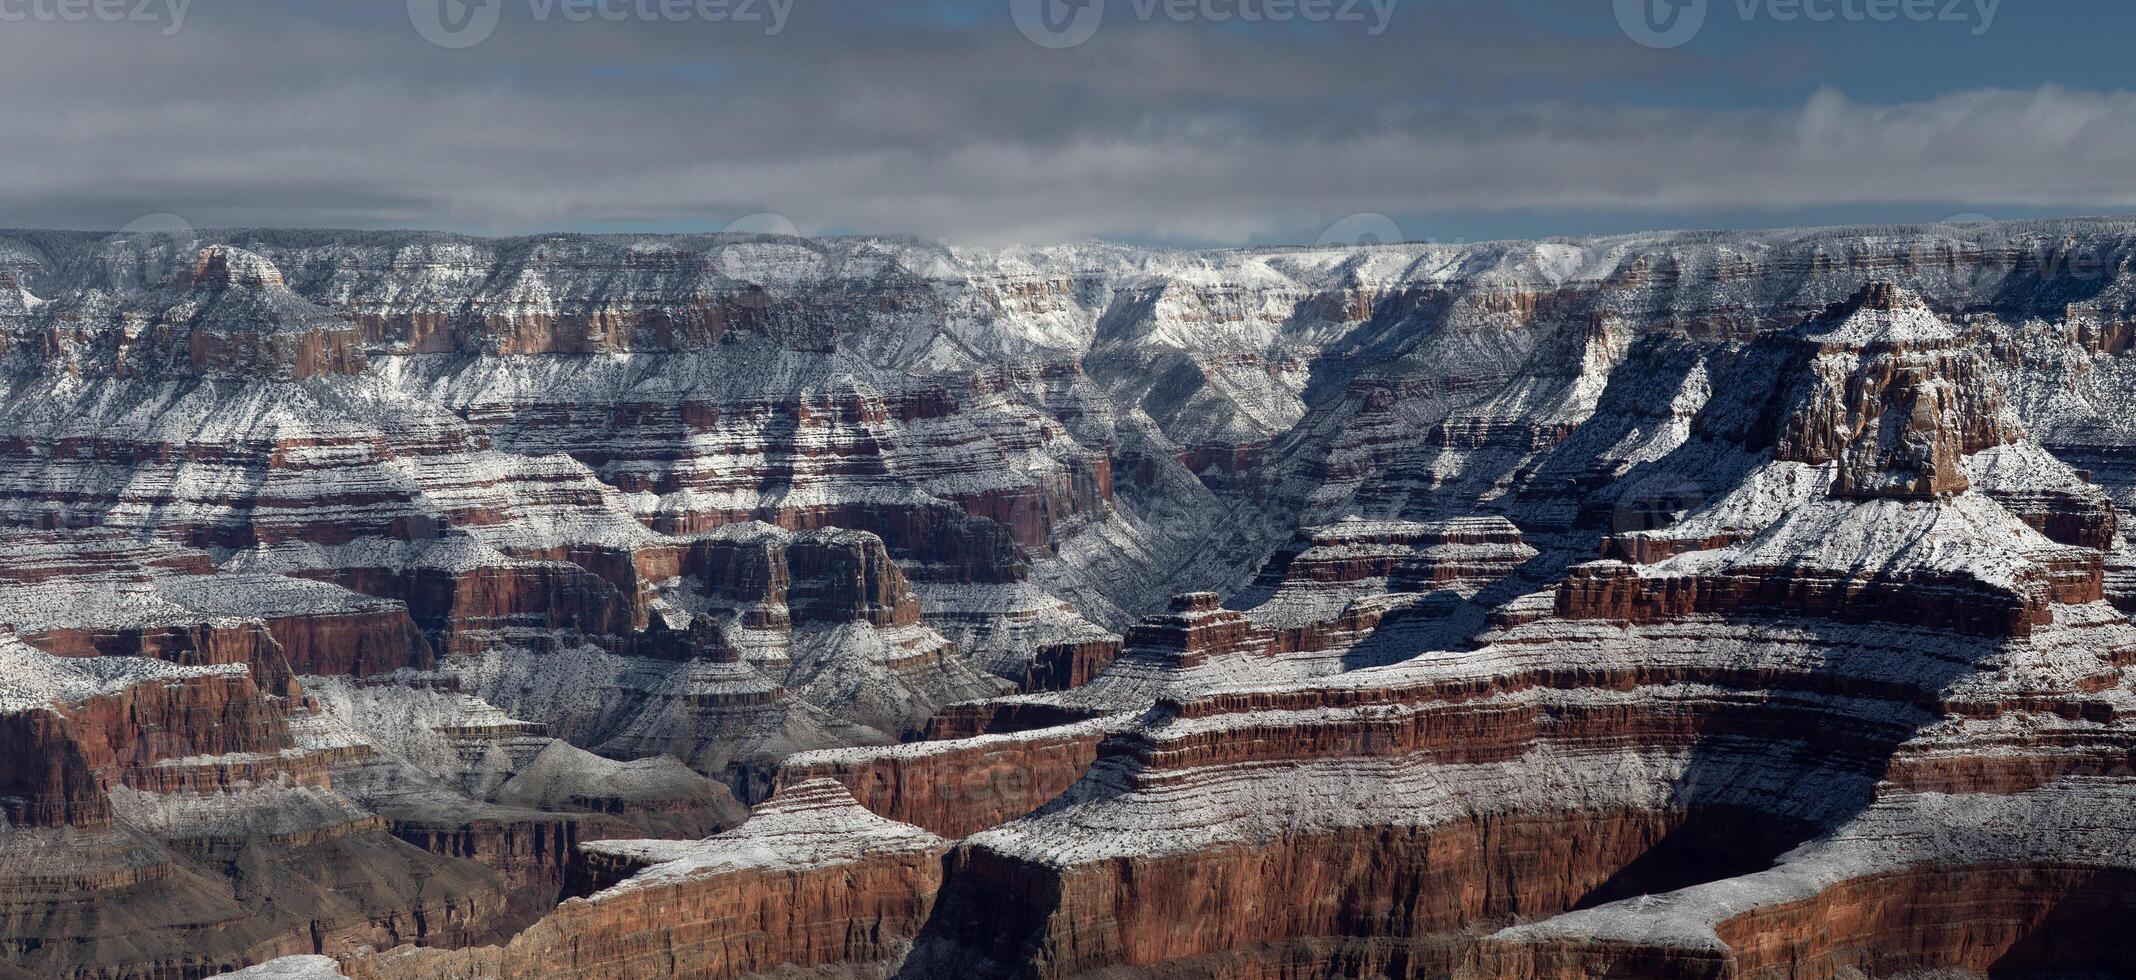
(1067, 490)
(1703, 605)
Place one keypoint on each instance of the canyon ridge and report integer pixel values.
(411, 606)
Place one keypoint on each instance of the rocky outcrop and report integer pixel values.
(1398, 555)
(1894, 396)
(1359, 592)
(1884, 659)
(811, 880)
(960, 786)
(103, 593)
(1660, 604)
(1068, 665)
(1967, 563)
(457, 777)
(81, 727)
(135, 784)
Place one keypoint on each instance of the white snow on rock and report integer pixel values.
(290, 968)
(813, 824)
(31, 679)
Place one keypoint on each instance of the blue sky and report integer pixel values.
(1173, 122)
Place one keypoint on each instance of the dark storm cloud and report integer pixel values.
(942, 120)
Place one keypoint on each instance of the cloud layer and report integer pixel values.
(937, 122)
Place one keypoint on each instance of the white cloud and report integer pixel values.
(228, 126)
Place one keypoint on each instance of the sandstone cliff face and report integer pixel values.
(80, 727)
(760, 642)
(163, 742)
(1514, 582)
(135, 782)
(455, 776)
(1895, 396)
(959, 786)
(811, 880)
(1069, 664)
(1858, 630)
(104, 593)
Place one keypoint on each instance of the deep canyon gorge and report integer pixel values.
(412, 606)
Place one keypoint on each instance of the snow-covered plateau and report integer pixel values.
(412, 606)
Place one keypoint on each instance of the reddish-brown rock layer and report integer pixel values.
(1615, 591)
(811, 880)
(128, 805)
(558, 529)
(957, 788)
(2001, 919)
(68, 756)
(1373, 883)
(1061, 666)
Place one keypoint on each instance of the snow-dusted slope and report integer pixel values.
(732, 498)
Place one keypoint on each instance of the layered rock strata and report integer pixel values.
(178, 820)
(1856, 495)
(1850, 651)
(811, 880)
